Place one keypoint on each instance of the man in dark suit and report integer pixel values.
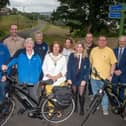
(119, 75)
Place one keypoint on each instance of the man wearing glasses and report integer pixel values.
(102, 58)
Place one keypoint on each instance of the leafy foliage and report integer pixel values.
(3, 3)
(86, 15)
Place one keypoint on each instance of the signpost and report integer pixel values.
(115, 8)
(114, 15)
(118, 12)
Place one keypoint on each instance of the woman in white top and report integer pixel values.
(54, 67)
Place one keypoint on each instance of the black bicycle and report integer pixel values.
(117, 106)
(58, 112)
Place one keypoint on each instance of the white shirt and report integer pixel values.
(67, 52)
(30, 56)
(54, 65)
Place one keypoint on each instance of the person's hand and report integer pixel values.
(109, 78)
(117, 72)
(69, 82)
(3, 78)
(54, 78)
(4, 67)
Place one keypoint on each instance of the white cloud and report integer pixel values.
(34, 5)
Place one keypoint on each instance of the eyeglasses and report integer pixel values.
(102, 39)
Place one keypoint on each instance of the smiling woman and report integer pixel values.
(34, 6)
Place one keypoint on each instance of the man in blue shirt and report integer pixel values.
(4, 57)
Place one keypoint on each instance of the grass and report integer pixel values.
(22, 22)
(58, 33)
(55, 33)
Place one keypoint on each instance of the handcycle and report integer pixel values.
(36, 109)
(117, 106)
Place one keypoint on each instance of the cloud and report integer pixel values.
(34, 6)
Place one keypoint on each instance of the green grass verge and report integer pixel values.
(55, 33)
(22, 22)
(58, 33)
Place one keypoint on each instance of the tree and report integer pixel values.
(3, 3)
(88, 15)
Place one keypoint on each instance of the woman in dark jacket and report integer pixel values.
(78, 74)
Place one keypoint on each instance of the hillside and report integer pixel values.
(22, 21)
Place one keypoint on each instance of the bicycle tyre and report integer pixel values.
(7, 115)
(92, 108)
(45, 112)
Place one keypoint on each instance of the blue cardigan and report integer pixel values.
(4, 56)
(75, 75)
(28, 69)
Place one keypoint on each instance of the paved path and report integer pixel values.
(96, 120)
(30, 32)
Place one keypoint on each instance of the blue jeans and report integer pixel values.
(2, 91)
(96, 85)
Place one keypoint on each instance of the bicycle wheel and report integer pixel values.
(6, 111)
(57, 115)
(92, 108)
(123, 114)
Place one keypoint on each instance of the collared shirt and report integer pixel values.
(14, 43)
(102, 59)
(30, 56)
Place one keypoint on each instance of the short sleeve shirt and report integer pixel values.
(102, 59)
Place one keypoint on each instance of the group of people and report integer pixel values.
(73, 64)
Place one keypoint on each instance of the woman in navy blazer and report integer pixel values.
(119, 75)
(78, 74)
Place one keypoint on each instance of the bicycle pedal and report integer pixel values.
(31, 114)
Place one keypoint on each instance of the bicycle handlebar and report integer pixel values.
(96, 74)
(12, 79)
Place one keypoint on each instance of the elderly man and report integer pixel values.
(14, 42)
(28, 66)
(102, 58)
(40, 47)
(119, 75)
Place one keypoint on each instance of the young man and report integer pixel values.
(89, 45)
(14, 42)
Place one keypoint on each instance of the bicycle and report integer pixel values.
(36, 109)
(117, 106)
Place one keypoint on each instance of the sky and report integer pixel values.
(34, 5)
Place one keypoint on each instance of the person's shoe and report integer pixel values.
(76, 110)
(81, 112)
(105, 112)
